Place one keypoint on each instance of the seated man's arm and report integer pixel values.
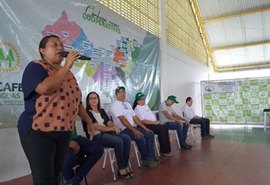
(178, 117)
(168, 115)
(125, 122)
(140, 124)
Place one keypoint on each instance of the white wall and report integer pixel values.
(181, 77)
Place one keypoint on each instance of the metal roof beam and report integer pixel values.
(266, 64)
(198, 18)
(241, 45)
(229, 16)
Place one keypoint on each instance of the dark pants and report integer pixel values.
(163, 137)
(204, 122)
(145, 144)
(45, 152)
(181, 131)
(90, 152)
(120, 143)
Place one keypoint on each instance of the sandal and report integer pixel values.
(122, 173)
(129, 171)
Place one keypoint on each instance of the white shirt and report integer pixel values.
(145, 113)
(162, 118)
(187, 112)
(122, 109)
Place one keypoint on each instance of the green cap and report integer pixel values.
(139, 96)
(172, 98)
(119, 88)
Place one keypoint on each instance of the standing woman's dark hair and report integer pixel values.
(44, 41)
(88, 107)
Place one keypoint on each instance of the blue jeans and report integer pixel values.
(181, 131)
(90, 152)
(121, 144)
(145, 144)
(45, 152)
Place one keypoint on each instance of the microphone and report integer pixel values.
(82, 57)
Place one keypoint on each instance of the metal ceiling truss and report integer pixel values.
(201, 22)
(229, 16)
(196, 11)
(235, 46)
(244, 67)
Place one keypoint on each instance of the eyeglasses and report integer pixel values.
(92, 98)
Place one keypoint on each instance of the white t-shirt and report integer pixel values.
(145, 113)
(122, 109)
(162, 118)
(187, 111)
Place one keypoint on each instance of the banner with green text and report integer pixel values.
(122, 53)
(239, 101)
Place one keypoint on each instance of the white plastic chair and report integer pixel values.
(110, 152)
(136, 150)
(157, 145)
(193, 137)
(173, 133)
(112, 159)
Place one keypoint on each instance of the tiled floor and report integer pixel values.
(237, 156)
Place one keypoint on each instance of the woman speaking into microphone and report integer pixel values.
(52, 100)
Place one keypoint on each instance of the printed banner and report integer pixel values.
(211, 87)
(242, 105)
(122, 53)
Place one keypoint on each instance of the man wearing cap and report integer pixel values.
(124, 116)
(169, 118)
(189, 114)
(149, 119)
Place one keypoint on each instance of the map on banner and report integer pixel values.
(122, 53)
(107, 63)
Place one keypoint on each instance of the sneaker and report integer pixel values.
(190, 146)
(150, 163)
(153, 163)
(186, 147)
(204, 137)
(210, 136)
(167, 154)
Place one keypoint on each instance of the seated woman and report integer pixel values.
(149, 120)
(108, 134)
(84, 154)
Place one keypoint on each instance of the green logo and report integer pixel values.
(9, 57)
